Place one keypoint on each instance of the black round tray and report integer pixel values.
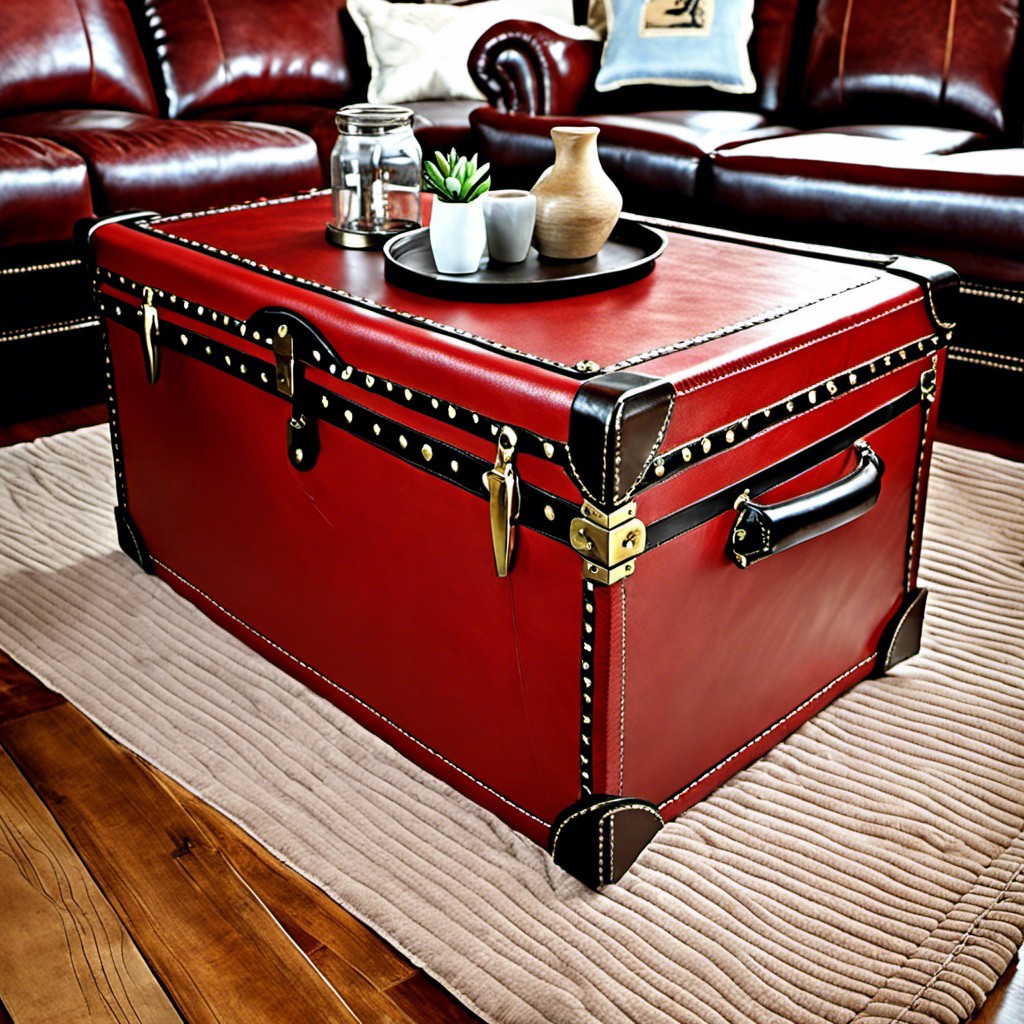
(628, 255)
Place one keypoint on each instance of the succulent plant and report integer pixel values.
(455, 179)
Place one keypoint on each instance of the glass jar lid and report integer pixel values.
(372, 119)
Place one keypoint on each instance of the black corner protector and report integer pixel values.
(940, 283)
(85, 227)
(616, 426)
(130, 539)
(597, 839)
(901, 638)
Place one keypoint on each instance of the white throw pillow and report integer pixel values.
(421, 51)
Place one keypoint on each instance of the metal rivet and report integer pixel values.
(451, 412)
(256, 335)
(903, 354)
(789, 406)
(241, 327)
(949, 335)
(428, 452)
(730, 436)
(184, 339)
(209, 351)
(346, 373)
(376, 429)
(687, 455)
(316, 354)
(241, 367)
(333, 368)
(831, 387)
(549, 513)
(549, 449)
(476, 419)
(408, 395)
(455, 466)
(812, 397)
(370, 381)
(705, 445)
(745, 423)
(348, 415)
(589, 608)
(888, 360)
(323, 401)
(659, 469)
(389, 385)
(402, 442)
(264, 378)
(227, 360)
(852, 378)
(200, 310)
(298, 454)
(494, 429)
(435, 403)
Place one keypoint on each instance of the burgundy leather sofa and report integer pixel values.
(165, 105)
(889, 125)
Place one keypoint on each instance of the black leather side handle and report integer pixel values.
(763, 530)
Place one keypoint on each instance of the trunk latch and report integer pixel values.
(150, 337)
(502, 486)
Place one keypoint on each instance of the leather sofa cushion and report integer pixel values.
(67, 53)
(438, 124)
(218, 53)
(44, 190)
(653, 158)
(929, 64)
(911, 195)
(148, 163)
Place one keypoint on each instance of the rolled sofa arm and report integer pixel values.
(525, 68)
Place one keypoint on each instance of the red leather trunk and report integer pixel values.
(309, 464)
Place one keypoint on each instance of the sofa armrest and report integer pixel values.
(525, 68)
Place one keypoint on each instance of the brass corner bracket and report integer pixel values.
(608, 541)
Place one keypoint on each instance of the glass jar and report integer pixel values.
(376, 166)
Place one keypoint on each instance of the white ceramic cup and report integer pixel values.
(510, 214)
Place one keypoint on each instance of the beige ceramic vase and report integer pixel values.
(577, 203)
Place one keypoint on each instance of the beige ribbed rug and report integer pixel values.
(869, 869)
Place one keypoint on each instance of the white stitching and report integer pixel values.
(352, 697)
(962, 350)
(767, 732)
(622, 701)
(797, 348)
(990, 292)
(957, 358)
(57, 328)
(58, 265)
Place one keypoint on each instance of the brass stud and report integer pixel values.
(903, 353)
(408, 395)
(852, 378)
(389, 385)
(949, 335)
(184, 339)
(402, 442)
(200, 310)
(209, 351)
(256, 335)
(730, 436)
(242, 368)
(241, 327)
(323, 401)
(455, 466)
(451, 412)
(435, 403)
(745, 423)
(376, 430)
(346, 373)
(298, 454)
(873, 368)
(812, 397)
(705, 445)
(333, 368)
(549, 449)
(370, 381)
(920, 346)
(264, 378)
(348, 415)
(790, 406)
(227, 360)
(687, 455)
(316, 355)
(888, 360)
(549, 513)
(428, 452)
(494, 429)
(476, 419)
(589, 608)
(831, 387)
(659, 469)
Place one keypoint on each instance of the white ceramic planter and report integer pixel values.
(458, 236)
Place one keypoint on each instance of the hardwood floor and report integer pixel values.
(125, 898)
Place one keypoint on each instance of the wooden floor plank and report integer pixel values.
(367, 1001)
(309, 915)
(216, 948)
(64, 954)
(423, 999)
(20, 692)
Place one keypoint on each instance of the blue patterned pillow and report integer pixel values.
(678, 42)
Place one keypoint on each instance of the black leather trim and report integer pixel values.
(713, 505)
(763, 530)
(598, 838)
(901, 638)
(941, 286)
(130, 540)
(316, 352)
(538, 510)
(616, 426)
